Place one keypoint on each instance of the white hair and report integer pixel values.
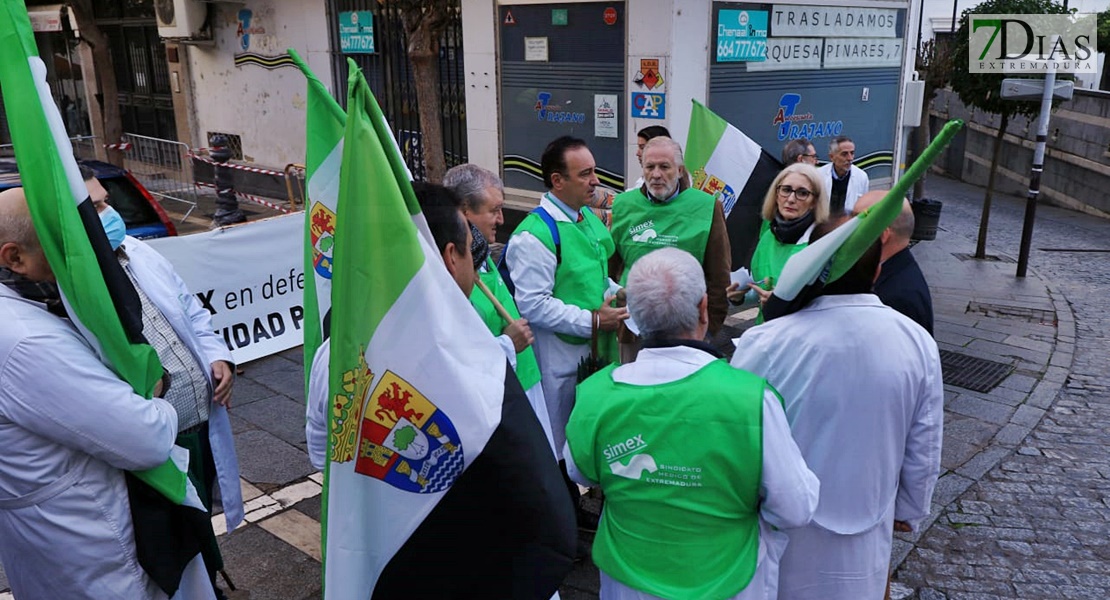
(470, 182)
(664, 141)
(664, 290)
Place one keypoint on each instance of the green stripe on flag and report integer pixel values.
(706, 130)
(324, 124)
(50, 198)
(377, 251)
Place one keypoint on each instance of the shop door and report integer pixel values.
(562, 73)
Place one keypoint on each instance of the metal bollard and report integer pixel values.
(227, 205)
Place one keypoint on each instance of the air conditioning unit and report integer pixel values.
(180, 19)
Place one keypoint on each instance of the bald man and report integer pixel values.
(900, 285)
(70, 428)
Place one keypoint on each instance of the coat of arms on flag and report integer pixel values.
(322, 231)
(406, 441)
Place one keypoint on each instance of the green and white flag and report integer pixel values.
(439, 481)
(725, 163)
(98, 296)
(324, 123)
(827, 259)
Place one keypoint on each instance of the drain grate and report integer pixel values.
(971, 373)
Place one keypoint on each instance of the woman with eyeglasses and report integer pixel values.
(796, 201)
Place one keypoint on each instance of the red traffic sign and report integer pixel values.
(610, 16)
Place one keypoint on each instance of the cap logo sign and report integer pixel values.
(1032, 43)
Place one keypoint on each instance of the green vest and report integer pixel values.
(640, 225)
(680, 464)
(769, 258)
(527, 370)
(582, 277)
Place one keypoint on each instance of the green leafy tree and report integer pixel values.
(983, 90)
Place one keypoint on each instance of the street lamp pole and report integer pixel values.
(1038, 165)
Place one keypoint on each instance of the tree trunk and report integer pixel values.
(423, 29)
(425, 70)
(981, 245)
(921, 138)
(108, 96)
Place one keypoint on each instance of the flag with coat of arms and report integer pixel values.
(730, 166)
(439, 479)
(99, 300)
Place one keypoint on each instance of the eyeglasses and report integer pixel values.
(814, 155)
(802, 194)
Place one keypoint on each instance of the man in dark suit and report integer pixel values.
(900, 285)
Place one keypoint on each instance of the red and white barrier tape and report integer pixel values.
(251, 198)
(122, 146)
(205, 159)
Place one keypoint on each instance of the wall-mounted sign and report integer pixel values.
(791, 122)
(833, 21)
(245, 29)
(535, 49)
(356, 32)
(605, 116)
(650, 75)
(741, 35)
(649, 105)
(559, 17)
(784, 54)
(855, 53)
(610, 16)
(556, 112)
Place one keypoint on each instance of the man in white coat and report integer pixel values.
(861, 384)
(846, 182)
(70, 428)
(180, 330)
(693, 502)
(563, 289)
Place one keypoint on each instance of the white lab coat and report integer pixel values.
(788, 491)
(532, 268)
(69, 428)
(193, 324)
(858, 184)
(863, 393)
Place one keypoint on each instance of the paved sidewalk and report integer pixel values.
(1022, 509)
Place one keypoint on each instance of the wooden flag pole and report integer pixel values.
(496, 304)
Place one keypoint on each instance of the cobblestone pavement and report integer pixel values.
(1023, 507)
(1037, 524)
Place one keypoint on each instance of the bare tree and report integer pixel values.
(108, 95)
(425, 22)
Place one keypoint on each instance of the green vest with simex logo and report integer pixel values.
(680, 464)
(582, 276)
(640, 225)
(527, 369)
